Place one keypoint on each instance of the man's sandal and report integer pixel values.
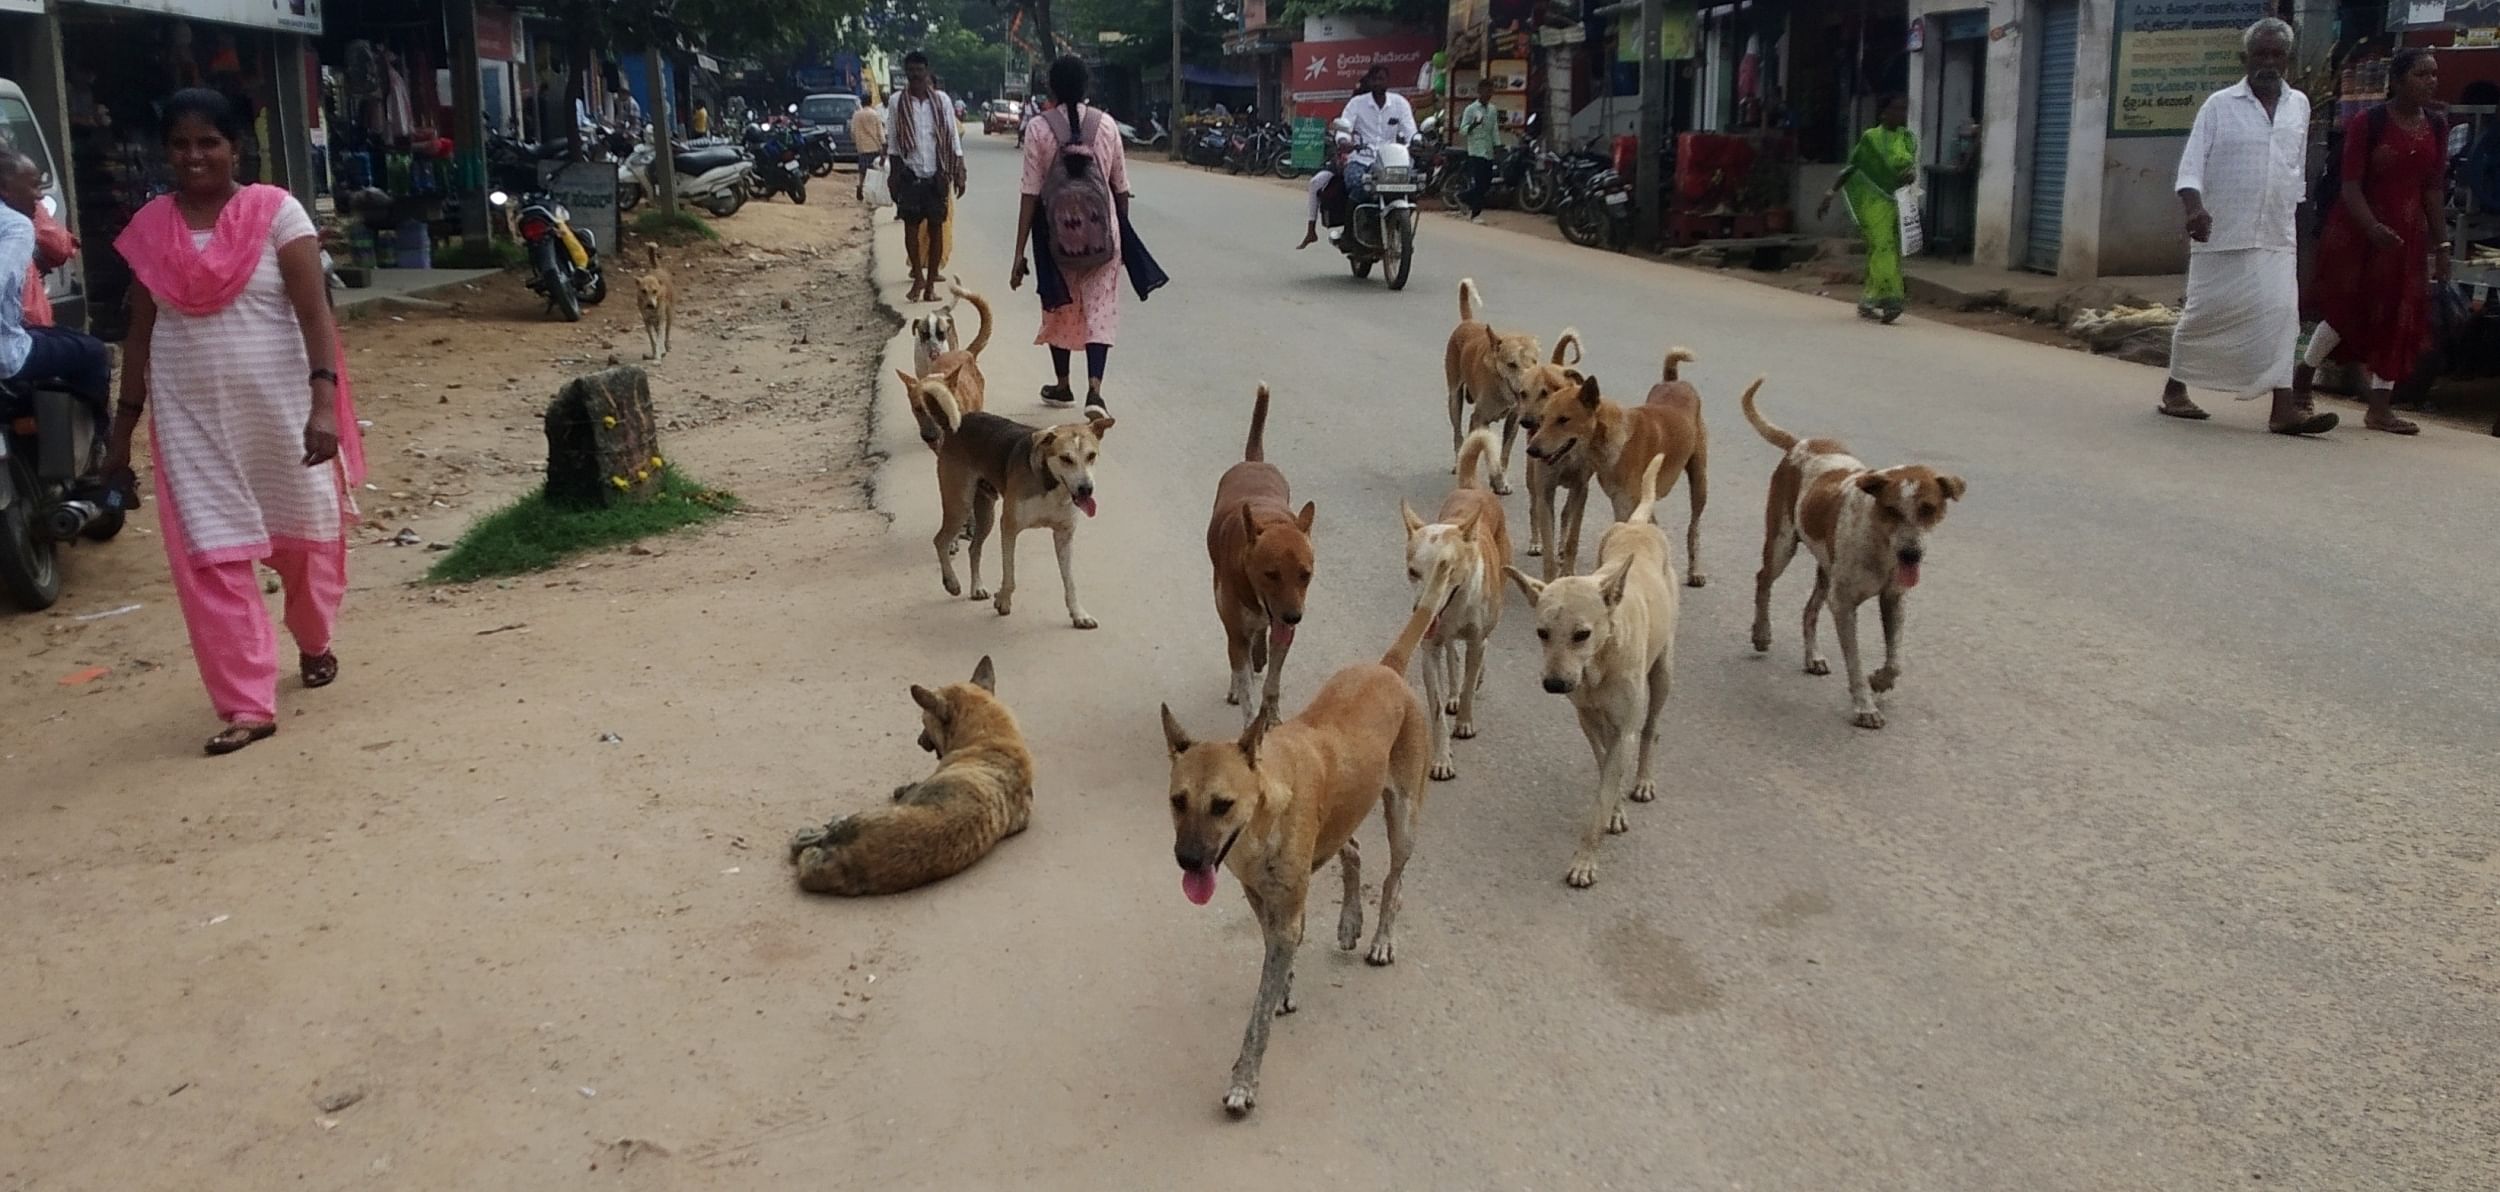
(236, 736)
(2309, 423)
(319, 670)
(2183, 409)
(2392, 425)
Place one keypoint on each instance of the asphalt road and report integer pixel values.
(2174, 868)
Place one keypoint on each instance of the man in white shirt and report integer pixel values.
(1378, 117)
(2241, 181)
(34, 353)
(925, 153)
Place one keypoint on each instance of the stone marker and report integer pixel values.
(603, 443)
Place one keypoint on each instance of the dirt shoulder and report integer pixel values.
(472, 913)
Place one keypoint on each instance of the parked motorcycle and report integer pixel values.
(1206, 145)
(1518, 179)
(777, 167)
(817, 154)
(564, 260)
(1596, 209)
(715, 177)
(1381, 225)
(52, 488)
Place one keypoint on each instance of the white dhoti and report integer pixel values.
(2241, 328)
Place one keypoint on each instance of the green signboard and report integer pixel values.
(1310, 142)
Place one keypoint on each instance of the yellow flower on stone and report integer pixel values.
(644, 474)
(619, 482)
(610, 420)
(656, 461)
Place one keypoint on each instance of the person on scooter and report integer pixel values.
(32, 351)
(1378, 117)
(54, 244)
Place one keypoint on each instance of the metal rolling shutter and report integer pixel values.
(2059, 23)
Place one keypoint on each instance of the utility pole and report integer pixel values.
(1649, 187)
(1172, 121)
(663, 121)
(468, 134)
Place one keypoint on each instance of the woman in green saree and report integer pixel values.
(1885, 160)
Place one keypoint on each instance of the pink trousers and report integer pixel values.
(231, 638)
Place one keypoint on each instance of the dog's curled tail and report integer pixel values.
(653, 248)
(1255, 451)
(981, 305)
(1570, 338)
(1645, 513)
(1469, 298)
(1471, 455)
(1761, 425)
(1419, 622)
(1676, 359)
(941, 400)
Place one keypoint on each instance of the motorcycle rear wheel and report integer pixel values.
(798, 190)
(1285, 167)
(1581, 221)
(30, 571)
(1397, 247)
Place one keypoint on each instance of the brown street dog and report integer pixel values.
(1544, 478)
(1263, 560)
(981, 793)
(658, 301)
(1868, 532)
(1613, 444)
(1609, 644)
(1488, 370)
(994, 469)
(1469, 538)
(1278, 803)
(935, 356)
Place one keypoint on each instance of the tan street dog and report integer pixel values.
(1022, 477)
(1468, 537)
(934, 355)
(1263, 561)
(981, 793)
(658, 302)
(1614, 444)
(1609, 642)
(1868, 533)
(1488, 370)
(1274, 805)
(1559, 373)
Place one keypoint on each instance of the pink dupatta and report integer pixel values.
(202, 281)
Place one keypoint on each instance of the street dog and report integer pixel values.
(981, 793)
(1614, 444)
(1020, 477)
(934, 355)
(1263, 561)
(1469, 537)
(657, 298)
(1544, 478)
(1609, 644)
(1488, 370)
(1274, 805)
(1868, 533)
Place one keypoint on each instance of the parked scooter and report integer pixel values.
(564, 260)
(716, 177)
(777, 166)
(52, 488)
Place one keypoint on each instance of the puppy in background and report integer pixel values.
(658, 301)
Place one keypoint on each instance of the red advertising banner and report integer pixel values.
(1324, 74)
(494, 34)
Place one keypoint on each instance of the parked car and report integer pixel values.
(1002, 116)
(832, 110)
(66, 285)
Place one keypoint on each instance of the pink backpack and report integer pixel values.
(1076, 201)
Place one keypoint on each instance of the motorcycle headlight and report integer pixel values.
(563, 214)
(498, 198)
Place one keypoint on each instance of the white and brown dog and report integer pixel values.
(1609, 644)
(993, 469)
(1868, 532)
(935, 357)
(1469, 538)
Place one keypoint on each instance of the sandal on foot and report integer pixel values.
(2311, 423)
(1058, 396)
(2183, 409)
(319, 670)
(236, 736)
(2392, 425)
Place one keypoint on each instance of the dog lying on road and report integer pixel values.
(994, 469)
(1263, 561)
(1488, 370)
(1615, 443)
(1868, 532)
(935, 357)
(1609, 643)
(937, 827)
(1276, 804)
(1469, 537)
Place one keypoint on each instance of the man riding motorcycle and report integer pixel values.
(1377, 116)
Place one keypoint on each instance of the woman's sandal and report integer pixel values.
(2392, 425)
(236, 736)
(319, 670)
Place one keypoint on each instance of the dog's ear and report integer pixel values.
(934, 703)
(1413, 523)
(985, 676)
(1039, 458)
(1102, 423)
(911, 385)
(1309, 514)
(1253, 736)
(1492, 338)
(1873, 484)
(1249, 525)
(1588, 392)
(1611, 587)
(1952, 486)
(1175, 738)
(1533, 589)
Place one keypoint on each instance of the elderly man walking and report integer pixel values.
(2241, 180)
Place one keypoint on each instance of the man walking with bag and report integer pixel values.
(924, 154)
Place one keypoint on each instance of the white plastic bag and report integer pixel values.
(874, 187)
(1909, 199)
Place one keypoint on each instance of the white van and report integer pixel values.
(65, 285)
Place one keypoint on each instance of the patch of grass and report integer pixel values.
(486, 254)
(673, 228)
(534, 533)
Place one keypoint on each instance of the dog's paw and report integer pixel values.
(1761, 639)
(1350, 927)
(1383, 953)
(1464, 730)
(1884, 678)
(1583, 874)
(1818, 665)
(1444, 771)
(1536, 550)
(1081, 621)
(1005, 603)
(1696, 580)
(1288, 1005)
(805, 839)
(1233, 697)
(978, 594)
(955, 588)
(1501, 486)
(1240, 1101)
(1619, 823)
(1868, 720)
(1643, 792)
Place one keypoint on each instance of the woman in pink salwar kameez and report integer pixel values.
(233, 350)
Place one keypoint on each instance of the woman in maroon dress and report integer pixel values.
(2384, 242)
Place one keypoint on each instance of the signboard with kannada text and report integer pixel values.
(1324, 74)
(2170, 55)
(1310, 142)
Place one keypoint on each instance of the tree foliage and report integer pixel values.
(1432, 14)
